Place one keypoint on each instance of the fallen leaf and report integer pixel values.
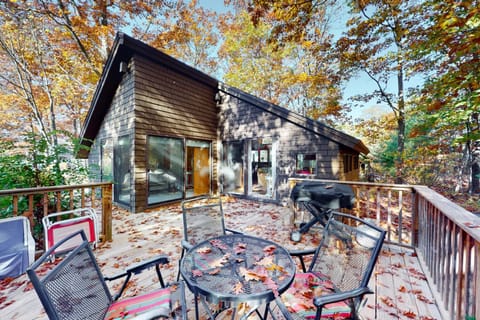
(424, 299)
(215, 271)
(265, 261)
(409, 314)
(251, 275)
(197, 273)
(269, 249)
(204, 250)
(238, 288)
(388, 301)
(219, 244)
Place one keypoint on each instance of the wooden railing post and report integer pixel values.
(107, 211)
(415, 211)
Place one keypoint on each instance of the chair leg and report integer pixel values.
(179, 263)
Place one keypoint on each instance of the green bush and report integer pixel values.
(37, 162)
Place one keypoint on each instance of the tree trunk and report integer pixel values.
(475, 169)
(400, 121)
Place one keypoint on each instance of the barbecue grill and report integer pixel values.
(319, 199)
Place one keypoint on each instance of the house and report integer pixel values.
(164, 131)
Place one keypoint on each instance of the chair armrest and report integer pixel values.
(138, 268)
(233, 231)
(321, 301)
(300, 254)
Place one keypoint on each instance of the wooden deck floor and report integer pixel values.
(401, 289)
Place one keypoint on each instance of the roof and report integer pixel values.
(309, 124)
(124, 47)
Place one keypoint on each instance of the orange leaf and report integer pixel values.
(204, 250)
(238, 288)
(409, 314)
(214, 271)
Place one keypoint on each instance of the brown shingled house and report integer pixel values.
(164, 131)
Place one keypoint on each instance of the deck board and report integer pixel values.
(397, 276)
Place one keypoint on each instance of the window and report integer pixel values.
(306, 163)
(349, 163)
(165, 169)
(232, 168)
(121, 170)
(106, 161)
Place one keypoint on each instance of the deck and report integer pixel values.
(401, 288)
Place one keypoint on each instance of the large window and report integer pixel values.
(121, 171)
(106, 160)
(306, 163)
(232, 168)
(165, 169)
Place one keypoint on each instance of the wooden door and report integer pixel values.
(201, 171)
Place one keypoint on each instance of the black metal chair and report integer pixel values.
(202, 219)
(74, 287)
(337, 278)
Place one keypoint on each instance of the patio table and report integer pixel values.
(237, 271)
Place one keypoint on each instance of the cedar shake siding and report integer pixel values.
(172, 105)
(118, 122)
(243, 116)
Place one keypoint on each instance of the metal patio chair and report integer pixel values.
(336, 281)
(74, 287)
(202, 219)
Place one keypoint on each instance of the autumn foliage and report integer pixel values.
(420, 59)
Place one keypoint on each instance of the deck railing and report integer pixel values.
(445, 237)
(44, 200)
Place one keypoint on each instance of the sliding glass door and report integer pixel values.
(165, 169)
(177, 168)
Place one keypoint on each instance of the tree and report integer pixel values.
(189, 33)
(447, 47)
(52, 54)
(266, 58)
(376, 43)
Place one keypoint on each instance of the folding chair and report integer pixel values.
(78, 219)
(202, 219)
(74, 288)
(17, 246)
(336, 280)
